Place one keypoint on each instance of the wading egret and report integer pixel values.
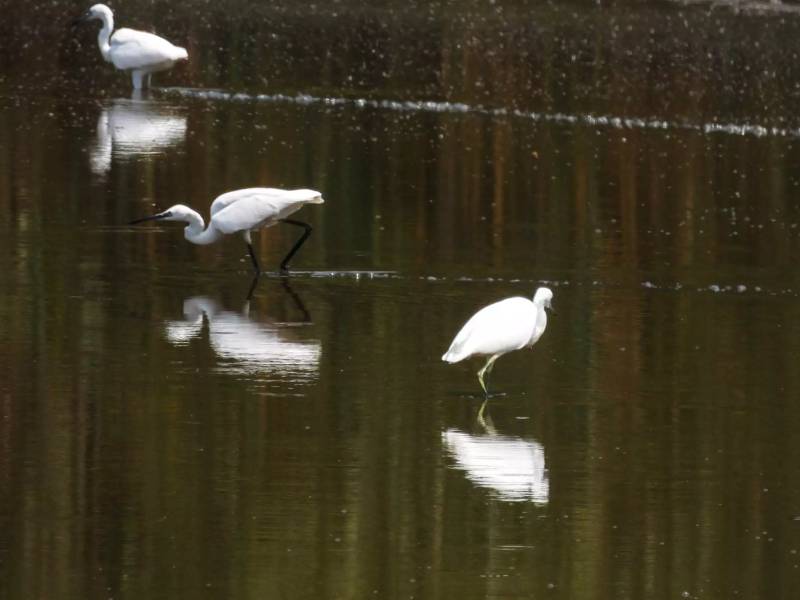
(139, 52)
(499, 328)
(243, 211)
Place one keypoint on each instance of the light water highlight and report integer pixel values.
(431, 106)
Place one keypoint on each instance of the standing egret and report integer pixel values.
(243, 211)
(139, 52)
(499, 328)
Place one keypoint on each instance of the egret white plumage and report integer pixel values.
(243, 211)
(139, 52)
(499, 328)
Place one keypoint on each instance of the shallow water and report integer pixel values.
(161, 435)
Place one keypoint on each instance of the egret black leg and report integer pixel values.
(296, 247)
(254, 259)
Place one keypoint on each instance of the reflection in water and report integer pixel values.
(250, 346)
(134, 127)
(511, 466)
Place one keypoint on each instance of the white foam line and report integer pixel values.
(712, 288)
(429, 106)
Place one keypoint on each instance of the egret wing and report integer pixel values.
(495, 329)
(298, 197)
(131, 49)
(224, 200)
(251, 208)
(245, 214)
(458, 347)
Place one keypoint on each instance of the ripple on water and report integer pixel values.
(674, 286)
(431, 106)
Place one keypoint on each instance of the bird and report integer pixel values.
(139, 52)
(243, 211)
(499, 328)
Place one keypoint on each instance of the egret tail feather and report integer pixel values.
(451, 357)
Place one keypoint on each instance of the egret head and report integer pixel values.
(99, 11)
(543, 297)
(179, 212)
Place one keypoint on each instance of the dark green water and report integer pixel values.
(162, 437)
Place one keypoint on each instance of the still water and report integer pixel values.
(167, 432)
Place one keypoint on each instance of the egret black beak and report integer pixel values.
(162, 215)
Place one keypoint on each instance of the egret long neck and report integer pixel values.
(195, 232)
(541, 318)
(541, 322)
(105, 35)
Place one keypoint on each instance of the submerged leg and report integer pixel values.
(296, 247)
(254, 259)
(487, 368)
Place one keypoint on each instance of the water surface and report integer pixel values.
(161, 435)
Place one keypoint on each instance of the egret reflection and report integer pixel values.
(512, 467)
(134, 127)
(247, 346)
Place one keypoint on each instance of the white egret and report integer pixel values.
(243, 211)
(499, 328)
(139, 52)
